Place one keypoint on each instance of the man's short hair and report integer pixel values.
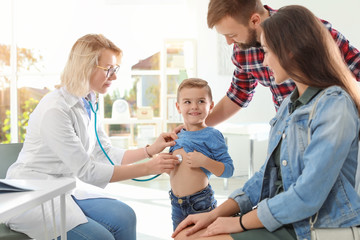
(240, 10)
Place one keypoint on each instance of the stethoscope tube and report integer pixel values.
(107, 156)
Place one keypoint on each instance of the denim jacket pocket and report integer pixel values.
(301, 132)
(273, 121)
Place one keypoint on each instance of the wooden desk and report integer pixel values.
(13, 204)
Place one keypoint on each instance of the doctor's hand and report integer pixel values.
(178, 128)
(163, 162)
(163, 141)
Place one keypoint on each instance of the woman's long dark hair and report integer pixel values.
(307, 51)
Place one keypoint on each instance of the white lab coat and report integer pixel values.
(61, 142)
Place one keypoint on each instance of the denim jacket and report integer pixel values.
(317, 177)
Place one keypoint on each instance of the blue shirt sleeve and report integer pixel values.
(221, 154)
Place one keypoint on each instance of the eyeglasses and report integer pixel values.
(110, 71)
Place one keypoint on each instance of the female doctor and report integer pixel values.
(61, 143)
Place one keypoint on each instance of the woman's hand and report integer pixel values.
(223, 225)
(163, 141)
(178, 129)
(200, 221)
(232, 225)
(164, 162)
(161, 163)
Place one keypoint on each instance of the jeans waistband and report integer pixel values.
(189, 197)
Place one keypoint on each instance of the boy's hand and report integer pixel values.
(195, 159)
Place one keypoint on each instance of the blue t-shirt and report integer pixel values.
(210, 142)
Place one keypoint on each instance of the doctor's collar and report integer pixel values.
(91, 97)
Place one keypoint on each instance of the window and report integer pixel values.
(41, 39)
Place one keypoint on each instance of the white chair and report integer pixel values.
(9, 153)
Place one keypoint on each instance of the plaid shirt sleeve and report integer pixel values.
(249, 71)
(243, 83)
(351, 55)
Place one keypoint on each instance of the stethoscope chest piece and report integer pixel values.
(179, 157)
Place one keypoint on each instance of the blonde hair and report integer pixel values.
(82, 61)
(194, 83)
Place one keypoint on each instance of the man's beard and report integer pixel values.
(251, 41)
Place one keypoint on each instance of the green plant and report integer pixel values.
(23, 119)
(28, 60)
(153, 93)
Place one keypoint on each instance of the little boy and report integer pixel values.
(203, 152)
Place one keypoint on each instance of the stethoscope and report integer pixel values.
(98, 140)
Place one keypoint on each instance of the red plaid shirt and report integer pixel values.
(249, 70)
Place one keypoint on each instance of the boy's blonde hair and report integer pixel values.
(194, 83)
(82, 61)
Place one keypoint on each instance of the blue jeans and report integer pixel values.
(108, 219)
(202, 201)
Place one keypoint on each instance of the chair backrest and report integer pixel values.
(8, 155)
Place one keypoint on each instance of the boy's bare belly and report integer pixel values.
(184, 180)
